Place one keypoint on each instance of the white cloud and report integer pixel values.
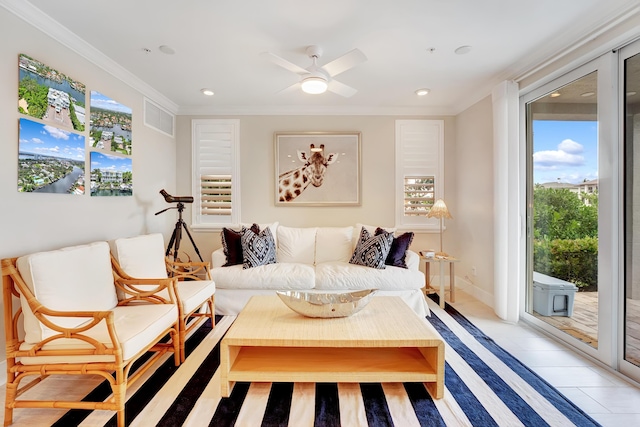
(567, 154)
(570, 146)
(57, 133)
(37, 141)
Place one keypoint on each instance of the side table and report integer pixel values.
(452, 278)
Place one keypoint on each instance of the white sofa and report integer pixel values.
(315, 258)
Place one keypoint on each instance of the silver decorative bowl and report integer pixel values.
(326, 304)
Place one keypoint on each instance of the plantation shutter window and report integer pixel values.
(216, 173)
(419, 171)
(419, 195)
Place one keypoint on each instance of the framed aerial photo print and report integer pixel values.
(110, 124)
(111, 175)
(49, 95)
(317, 168)
(50, 159)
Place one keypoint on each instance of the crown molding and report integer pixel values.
(297, 110)
(52, 28)
(552, 53)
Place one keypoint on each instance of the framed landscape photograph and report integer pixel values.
(317, 168)
(111, 175)
(110, 124)
(50, 159)
(49, 95)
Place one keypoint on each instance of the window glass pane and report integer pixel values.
(563, 142)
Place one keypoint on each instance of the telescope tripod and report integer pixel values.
(176, 236)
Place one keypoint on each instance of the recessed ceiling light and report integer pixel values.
(423, 92)
(587, 94)
(555, 94)
(206, 91)
(463, 50)
(631, 93)
(166, 49)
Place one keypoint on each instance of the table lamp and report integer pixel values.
(439, 210)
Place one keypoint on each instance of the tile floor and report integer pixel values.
(606, 397)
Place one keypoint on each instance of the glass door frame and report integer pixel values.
(609, 213)
(627, 368)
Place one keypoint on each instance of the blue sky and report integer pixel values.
(47, 140)
(107, 162)
(98, 100)
(567, 150)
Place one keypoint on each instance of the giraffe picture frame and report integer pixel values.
(317, 168)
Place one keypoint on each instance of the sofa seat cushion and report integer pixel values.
(136, 326)
(278, 276)
(76, 278)
(342, 275)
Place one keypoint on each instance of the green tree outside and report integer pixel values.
(565, 241)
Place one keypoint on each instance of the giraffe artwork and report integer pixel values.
(292, 183)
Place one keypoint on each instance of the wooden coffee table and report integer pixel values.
(384, 342)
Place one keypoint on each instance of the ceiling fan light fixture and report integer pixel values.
(314, 85)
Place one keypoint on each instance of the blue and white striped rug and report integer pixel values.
(484, 386)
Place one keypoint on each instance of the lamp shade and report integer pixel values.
(439, 210)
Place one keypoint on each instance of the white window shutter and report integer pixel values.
(419, 171)
(216, 180)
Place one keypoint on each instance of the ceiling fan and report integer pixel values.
(317, 79)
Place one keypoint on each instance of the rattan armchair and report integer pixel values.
(70, 321)
(144, 257)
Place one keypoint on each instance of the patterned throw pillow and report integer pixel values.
(372, 251)
(399, 247)
(257, 248)
(232, 244)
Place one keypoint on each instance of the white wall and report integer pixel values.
(473, 223)
(32, 222)
(258, 173)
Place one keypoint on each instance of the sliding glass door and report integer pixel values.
(563, 134)
(570, 141)
(582, 139)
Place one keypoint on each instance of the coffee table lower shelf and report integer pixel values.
(332, 364)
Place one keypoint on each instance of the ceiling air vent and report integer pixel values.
(159, 119)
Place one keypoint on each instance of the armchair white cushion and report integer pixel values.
(77, 278)
(141, 256)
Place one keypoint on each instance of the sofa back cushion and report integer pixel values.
(77, 278)
(141, 256)
(296, 244)
(333, 244)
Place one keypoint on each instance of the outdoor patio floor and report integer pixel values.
(583, 325)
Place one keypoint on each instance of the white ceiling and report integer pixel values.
(218, 44)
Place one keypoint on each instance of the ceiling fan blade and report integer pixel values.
(293, 88)
(284, 63)
(345, 62)
(341, 89)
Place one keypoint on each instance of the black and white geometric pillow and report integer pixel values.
(372, 251)
(257, 248)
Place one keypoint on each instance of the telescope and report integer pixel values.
(176, 236)
(176, 199)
